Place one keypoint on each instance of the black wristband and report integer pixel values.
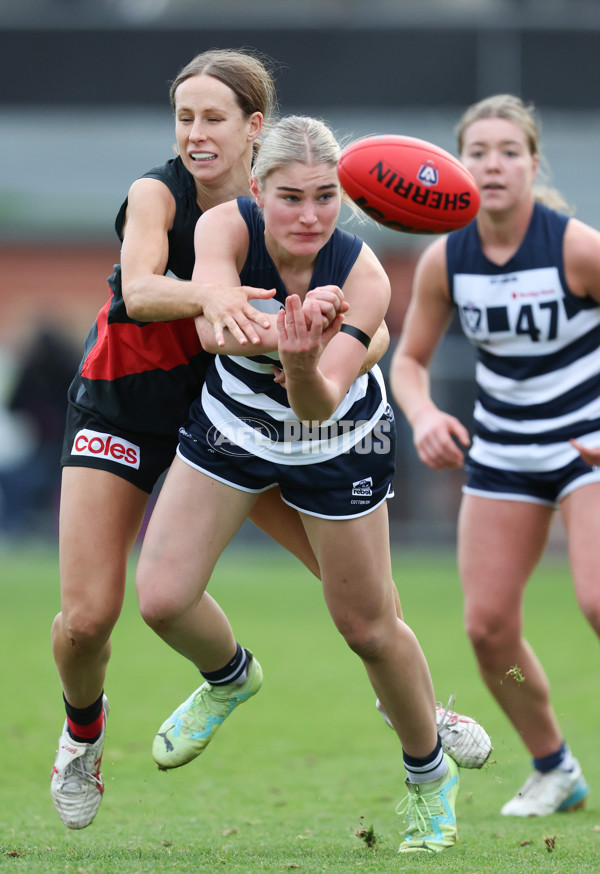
(356, 332)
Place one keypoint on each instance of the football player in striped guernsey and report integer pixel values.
(524, 277)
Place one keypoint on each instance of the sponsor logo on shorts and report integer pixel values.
(363, 488)
(98, 445)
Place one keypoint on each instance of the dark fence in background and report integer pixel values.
(347, 67)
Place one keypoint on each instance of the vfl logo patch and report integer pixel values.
(363, 488)
(428, 174)
(97, 445)
(471, 317)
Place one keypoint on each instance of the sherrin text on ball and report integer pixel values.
(408, 184)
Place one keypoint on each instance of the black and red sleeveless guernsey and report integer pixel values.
(143, 376)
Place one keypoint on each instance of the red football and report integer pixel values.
(408, 184)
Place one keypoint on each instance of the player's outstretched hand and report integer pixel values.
(440, 439)
(229, 308)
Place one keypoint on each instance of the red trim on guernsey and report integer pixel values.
(123, 348)
(85, 731)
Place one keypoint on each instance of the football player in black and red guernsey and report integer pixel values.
(142, 367)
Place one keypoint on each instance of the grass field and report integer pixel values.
(295, 774)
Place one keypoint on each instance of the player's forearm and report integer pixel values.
(268, 339)
(313, 398)
(156, 298)
(410, 386)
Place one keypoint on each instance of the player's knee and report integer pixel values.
(491, 639)
(158, 612)
(367, 647)
(363, 638)
(159, 607)
(152, 613)
(89, 630)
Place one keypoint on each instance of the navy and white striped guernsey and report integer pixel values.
(240, 397)
(538, 347)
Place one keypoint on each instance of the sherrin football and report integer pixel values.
(408, 184)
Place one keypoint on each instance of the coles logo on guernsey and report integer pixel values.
(98, 445)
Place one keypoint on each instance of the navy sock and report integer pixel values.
(84, 724)
(233, 672)
(554, 760)
(425, 770)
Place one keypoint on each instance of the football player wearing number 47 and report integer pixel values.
(525, 278)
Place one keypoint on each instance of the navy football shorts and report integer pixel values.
(344, 487)
(536, 487)
(92, 441)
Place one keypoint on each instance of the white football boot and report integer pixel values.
(462, 737)
(555, 791)
(77, 786)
